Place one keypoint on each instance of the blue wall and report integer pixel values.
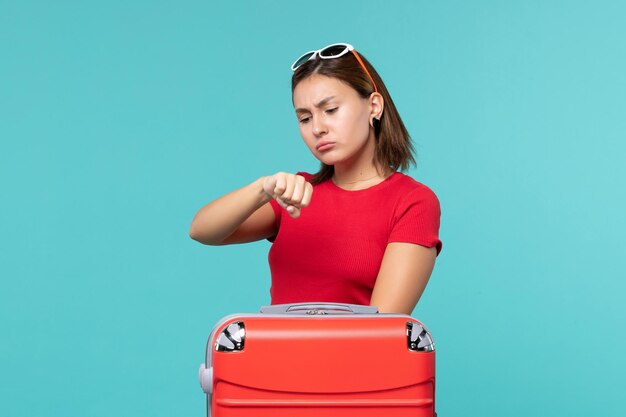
(119, 119)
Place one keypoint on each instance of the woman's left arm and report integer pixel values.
(402, 278)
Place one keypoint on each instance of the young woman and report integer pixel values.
(357, 231)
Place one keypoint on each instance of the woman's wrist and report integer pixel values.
(258, 186)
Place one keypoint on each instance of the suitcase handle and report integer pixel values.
(318, 308)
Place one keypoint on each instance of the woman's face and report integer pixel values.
(333, 119)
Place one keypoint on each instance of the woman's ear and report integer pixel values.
(377, 105)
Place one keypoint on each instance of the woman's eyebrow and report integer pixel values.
(318, 105)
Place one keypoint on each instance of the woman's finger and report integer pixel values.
(308, 193)
(291, 209)
(298, 190)
(290, 180)
(281, 184)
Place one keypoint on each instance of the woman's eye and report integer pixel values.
(306, 119)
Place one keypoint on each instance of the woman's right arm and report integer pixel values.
(245, 215)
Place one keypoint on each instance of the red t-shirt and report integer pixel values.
(334, 250)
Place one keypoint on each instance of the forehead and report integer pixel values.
(317, 87)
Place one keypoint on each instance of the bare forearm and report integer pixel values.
(220, 218)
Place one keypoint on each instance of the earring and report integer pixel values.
(372, 121)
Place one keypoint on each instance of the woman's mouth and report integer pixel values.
(323, 146)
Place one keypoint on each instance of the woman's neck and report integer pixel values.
(356, 177)
(361, 171)
(351, 176)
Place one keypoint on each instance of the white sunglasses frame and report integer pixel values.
(313, 53)
(349, 48)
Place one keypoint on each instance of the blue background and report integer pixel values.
(120, 119)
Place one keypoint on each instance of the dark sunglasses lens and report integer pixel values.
(302, 60)
(333, 51)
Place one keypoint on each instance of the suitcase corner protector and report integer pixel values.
(205, 375)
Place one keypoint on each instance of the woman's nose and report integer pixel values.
(319, 127)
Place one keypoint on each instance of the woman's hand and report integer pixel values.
(291, 191)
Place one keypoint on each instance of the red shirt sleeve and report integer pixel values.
(416, 219)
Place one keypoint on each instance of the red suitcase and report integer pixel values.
(319, 360)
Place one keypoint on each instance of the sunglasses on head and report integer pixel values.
(335, 50)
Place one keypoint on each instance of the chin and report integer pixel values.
(329, 160)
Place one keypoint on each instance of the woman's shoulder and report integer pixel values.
(411, 183)
(413, 189)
